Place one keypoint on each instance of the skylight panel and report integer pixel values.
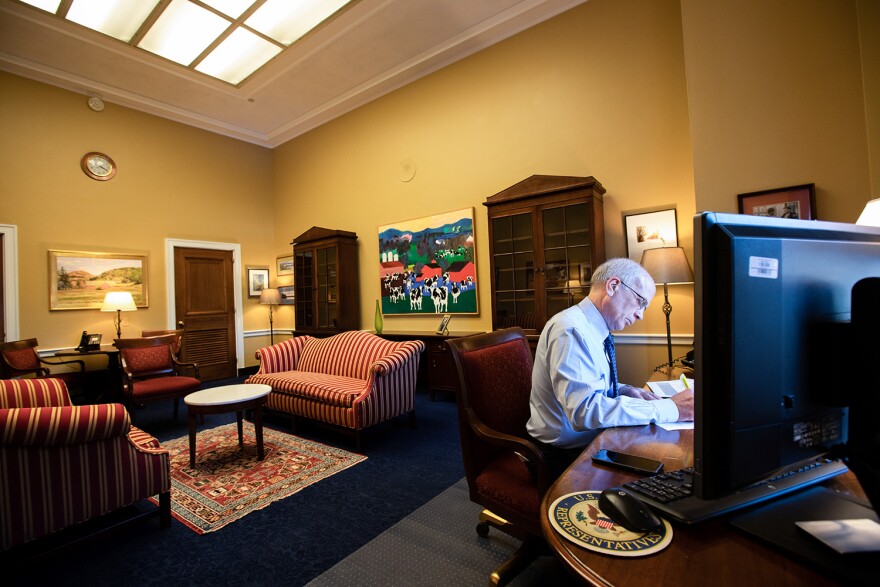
(288, 20)
(183, 32)
(231, 8)
(238, 56)
(47, 5)
(119, 19)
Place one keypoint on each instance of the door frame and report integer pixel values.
(170, 291)
(10, 280)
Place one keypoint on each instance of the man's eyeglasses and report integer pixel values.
(643, 303)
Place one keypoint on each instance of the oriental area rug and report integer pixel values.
(229, 482)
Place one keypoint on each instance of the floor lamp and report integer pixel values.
(272, 297)
(667, 265)
(118, 301)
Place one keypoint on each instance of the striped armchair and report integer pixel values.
(62, 464)
(354, 379)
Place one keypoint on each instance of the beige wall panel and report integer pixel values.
(173, 181)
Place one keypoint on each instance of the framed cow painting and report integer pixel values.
(428, 265)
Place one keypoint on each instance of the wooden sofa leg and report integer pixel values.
(293, 423)
(165, 509)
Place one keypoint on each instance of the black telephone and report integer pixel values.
(688, 360)
(89, 342)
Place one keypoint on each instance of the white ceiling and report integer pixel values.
(370, 49)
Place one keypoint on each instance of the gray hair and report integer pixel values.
(626, 269)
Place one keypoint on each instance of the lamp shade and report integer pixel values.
(270, 295)
(118, 301)
(871, 214)
(667, 265)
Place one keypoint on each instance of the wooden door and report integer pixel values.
(205, 309)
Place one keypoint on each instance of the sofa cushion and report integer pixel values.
(348, 354)
(333, 390)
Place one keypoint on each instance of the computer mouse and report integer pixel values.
(627, 510)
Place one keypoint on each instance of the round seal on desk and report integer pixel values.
(577, 517)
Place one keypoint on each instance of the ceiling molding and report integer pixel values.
(355, 59)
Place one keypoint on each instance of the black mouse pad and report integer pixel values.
(577, 517)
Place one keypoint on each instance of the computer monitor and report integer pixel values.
(763, 289)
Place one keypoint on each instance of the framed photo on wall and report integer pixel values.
(649, 230)
(257, 280)
(284, 265)
(288, 297)
(797, 201)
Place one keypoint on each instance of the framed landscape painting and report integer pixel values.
(80, 280)
(428, 266)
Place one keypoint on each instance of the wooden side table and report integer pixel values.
(222, 400)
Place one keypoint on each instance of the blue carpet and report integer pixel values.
(295, 539)
(437, 545)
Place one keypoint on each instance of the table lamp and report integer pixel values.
(118, 301)
(272, 297)
(871, 214)
(667, 265)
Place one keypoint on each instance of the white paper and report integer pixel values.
(669, 388)
(860, 535)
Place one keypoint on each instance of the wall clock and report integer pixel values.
(98, 166)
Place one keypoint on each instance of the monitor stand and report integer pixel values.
(774, 523)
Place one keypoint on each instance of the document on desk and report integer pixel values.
(667, 389)
(671, 387)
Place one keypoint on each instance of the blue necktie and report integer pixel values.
(612, 362)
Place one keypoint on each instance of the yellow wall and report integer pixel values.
(173, 181)
(599, 90)
(780, 106)
(678, 103)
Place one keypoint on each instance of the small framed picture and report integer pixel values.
(797, 201)
(284, 265)
(287, 295)
(649, 230)
(257, 280)
(444, 324)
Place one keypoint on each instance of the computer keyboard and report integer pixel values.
(672, 492)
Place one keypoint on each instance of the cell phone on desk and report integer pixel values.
(628, 462)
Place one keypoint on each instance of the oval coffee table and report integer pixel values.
(225, 399)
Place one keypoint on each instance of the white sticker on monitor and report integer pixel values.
(764, 267)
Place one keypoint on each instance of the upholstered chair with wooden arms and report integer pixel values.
(20, 359)
(495, 381)
(61, 465)
(178, 333)
(151, 371)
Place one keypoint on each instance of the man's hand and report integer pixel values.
(639, 392)
(684, 401)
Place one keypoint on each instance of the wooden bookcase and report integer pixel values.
(325, 267)
(546, 235)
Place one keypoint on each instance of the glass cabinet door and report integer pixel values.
(305, 305)
(567, 266)
(513, 260)
(327, 284)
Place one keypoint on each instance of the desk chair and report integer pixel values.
(495, 376)
(151, 371)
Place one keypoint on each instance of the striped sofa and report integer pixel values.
(62, 464)
(354, 379)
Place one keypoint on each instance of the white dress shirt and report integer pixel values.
(570, 380)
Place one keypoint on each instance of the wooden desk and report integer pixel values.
(710, 552)
(106, 383)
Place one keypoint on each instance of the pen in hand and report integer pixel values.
(685, 381)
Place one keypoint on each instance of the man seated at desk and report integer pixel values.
(575, 391)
